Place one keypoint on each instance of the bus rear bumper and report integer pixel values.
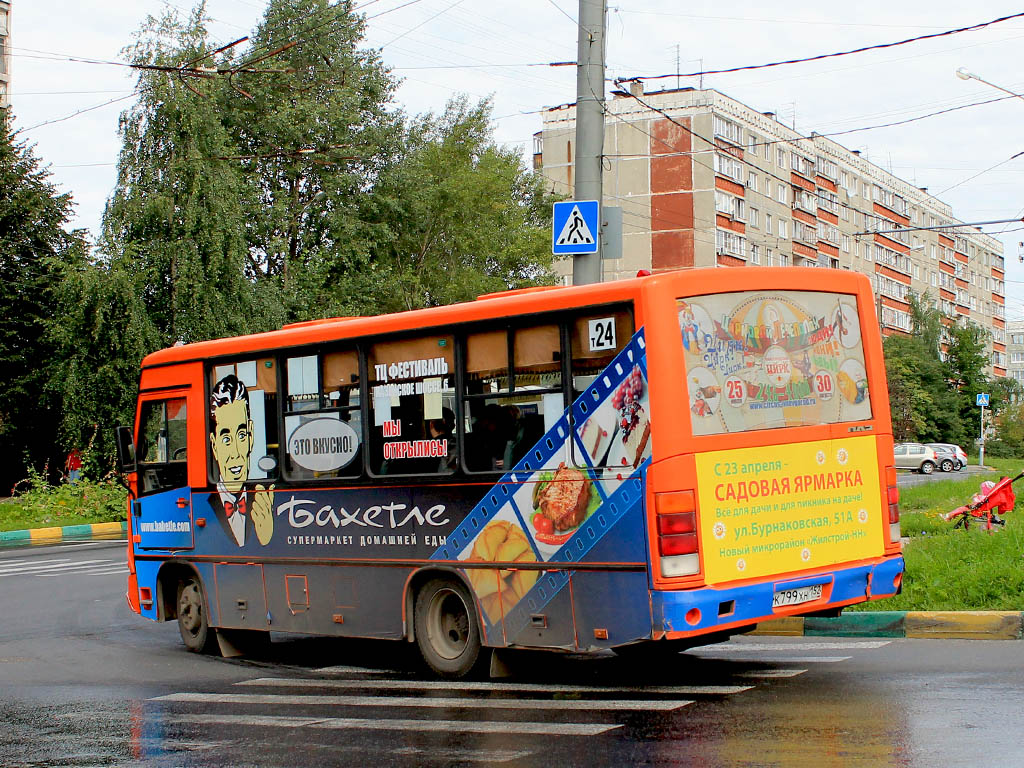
(683, 613)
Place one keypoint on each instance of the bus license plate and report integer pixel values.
(796, 596)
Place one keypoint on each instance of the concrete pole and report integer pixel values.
(586, 268)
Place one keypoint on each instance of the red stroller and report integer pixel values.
(994, 497)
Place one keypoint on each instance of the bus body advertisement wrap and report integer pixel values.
(666, 458)
(772, 359)
(807, 505)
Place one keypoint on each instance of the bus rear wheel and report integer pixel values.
(192, 623)
(447, 629)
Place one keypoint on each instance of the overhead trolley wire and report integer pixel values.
(836, 54)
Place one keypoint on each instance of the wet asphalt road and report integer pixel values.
(906, 479)
(84, 682)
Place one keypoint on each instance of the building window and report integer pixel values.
(780, 157)
(752, 181)
(783, 228)
(768, 223)
(729, 205)
(730, 243)
(755, 254)
(728, 130)
(846, 244)
(769, 257)
(827, 168)
(753, 217)
(729, 167)
(782, 193)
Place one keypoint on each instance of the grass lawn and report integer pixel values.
(40, 505)
(954, 570)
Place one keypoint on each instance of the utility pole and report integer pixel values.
(586, 268)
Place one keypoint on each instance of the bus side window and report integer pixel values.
(412, 385)
(510, 403)
(162, 446)
(596, 338)
(323, 420)
(248, 389)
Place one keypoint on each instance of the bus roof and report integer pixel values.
(511, 303)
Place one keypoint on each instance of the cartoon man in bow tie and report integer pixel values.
(242, 511)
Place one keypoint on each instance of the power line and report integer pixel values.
(835, 54)
(422, 23)
(564, 13)
(74, 114)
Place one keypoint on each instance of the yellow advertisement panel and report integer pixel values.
(788, 507)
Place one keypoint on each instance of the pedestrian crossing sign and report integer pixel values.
(575, 226)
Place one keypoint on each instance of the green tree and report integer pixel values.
(34, 241)
(923, 405)
(463, 215)
(966, 363)
(175, 224)
(317, 137)
(100, 331)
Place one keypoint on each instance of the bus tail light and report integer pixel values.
(893, 499)
(676, 514)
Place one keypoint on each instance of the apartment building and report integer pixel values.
(5, 52)
(704, 180)
(1015, 350)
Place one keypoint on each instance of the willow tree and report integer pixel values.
(175, 224)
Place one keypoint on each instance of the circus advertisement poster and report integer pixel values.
(763, 360)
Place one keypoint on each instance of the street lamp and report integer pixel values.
(964, 74)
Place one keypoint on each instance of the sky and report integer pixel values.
(502, 50)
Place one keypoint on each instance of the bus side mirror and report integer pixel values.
(125, 450)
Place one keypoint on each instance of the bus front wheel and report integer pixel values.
(195, 631)
(447, 630)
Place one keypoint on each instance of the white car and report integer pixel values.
(959, 455)
(916, 457)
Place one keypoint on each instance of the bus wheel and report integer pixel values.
(195, 631)
(447, 630)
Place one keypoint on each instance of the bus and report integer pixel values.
(641, 465)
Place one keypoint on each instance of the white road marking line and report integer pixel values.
(841, 645)
(770, 673)
(344, 670)
(776, 659)
(445, 726)
(85, 570)
(17, 571)
(452, 755)
(427, 702)
(432, 685)
(9, 563)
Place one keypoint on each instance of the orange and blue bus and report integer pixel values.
(648, 464)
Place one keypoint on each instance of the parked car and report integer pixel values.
(916, 457)
(959, 454)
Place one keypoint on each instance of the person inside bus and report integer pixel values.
(240, 513)
(442, 429)
(486, 442)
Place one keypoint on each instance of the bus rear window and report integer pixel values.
(764, 360)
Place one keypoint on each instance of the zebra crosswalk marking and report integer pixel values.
(374, 724)
(68, 567)
(415, 702)
(776, 659)
(470, 685)
(841, 645)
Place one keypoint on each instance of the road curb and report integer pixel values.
(64, 533)
(944, 625)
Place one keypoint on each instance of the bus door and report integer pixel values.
(163, 511)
